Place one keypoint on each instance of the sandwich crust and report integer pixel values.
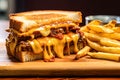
(25, 21)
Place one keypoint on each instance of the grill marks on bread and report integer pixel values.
(43, 16)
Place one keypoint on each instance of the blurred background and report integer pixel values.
(87, 7)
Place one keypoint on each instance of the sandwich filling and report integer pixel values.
(51, 41)
(55, 38)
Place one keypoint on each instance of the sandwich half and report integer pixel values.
(46, 34)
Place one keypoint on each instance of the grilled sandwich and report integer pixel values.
(44, 34)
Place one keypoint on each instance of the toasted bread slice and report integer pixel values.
(22, 22)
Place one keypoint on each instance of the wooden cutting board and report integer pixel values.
(85, 66)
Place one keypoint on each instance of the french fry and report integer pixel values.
(103, 55)
(109, 42)
(97, 47)
(99, 28)
(95, 22)
(116, 29)
(104, 39)
(82, 52)
(115, 35)
(111, 24)
(84, 29)
(92, 36)
(91, 31)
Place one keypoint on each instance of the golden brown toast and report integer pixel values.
(25, 21)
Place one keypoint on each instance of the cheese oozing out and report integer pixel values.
(58, 45)
(45, 30)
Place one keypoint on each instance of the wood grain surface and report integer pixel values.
(85, 66)
(47, 78)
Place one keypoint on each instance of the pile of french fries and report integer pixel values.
(103, 40)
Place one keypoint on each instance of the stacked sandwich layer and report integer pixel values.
(44, 35)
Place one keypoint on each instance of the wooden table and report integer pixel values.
(38, 78)
(85, 68)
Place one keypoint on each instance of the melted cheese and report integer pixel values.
(49, 44)
(68, 40)
(44, 30)
(37, 48)
(50, 52)
(58, 45)
(45, 54)
(75, 40)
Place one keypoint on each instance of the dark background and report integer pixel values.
(87, 7)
